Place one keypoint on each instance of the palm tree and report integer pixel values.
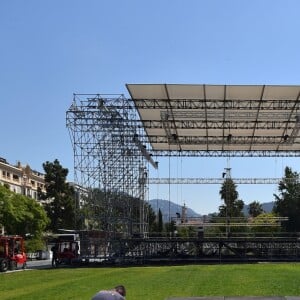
(255, 209)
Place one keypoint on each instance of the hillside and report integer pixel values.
(164, 206)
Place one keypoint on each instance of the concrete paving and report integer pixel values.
(39, 264)
(32, 265)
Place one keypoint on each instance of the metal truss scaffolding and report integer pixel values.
(113, 141)
(110, 163)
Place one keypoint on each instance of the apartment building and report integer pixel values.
(81, 194)
(21, 179)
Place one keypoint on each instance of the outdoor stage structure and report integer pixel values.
(116, 138)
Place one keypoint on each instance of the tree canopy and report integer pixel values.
(21, 215)
(114, 210)
(255, 209)
(287, 203)
(59, 196)
(232, 205)
(264, 222)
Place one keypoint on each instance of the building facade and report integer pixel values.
(21, 179)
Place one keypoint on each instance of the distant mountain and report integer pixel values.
(267, 207)
(165, 206)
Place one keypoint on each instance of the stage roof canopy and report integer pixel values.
(199, 117)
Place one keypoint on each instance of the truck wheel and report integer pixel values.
(4, 265)
(12, 265)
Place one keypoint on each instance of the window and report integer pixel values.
(32, 182)
(15, 177)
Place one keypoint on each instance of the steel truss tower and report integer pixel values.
(112, 136)
(111, 163)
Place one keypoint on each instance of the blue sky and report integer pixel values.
(51, 49)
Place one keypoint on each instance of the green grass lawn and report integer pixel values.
(155, 283)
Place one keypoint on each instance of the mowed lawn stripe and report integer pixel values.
(154, 283)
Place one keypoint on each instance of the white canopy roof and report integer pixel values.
(202, 117)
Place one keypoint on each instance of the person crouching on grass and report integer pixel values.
(118, 293)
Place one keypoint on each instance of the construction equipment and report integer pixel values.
(65, 252)
(12, 253)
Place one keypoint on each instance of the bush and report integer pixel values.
(34, 244)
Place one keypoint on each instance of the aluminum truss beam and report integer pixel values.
(197, 124)
(214, 140)
(243, 104)
(190, 250)
(231, 153)
(214, 180)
